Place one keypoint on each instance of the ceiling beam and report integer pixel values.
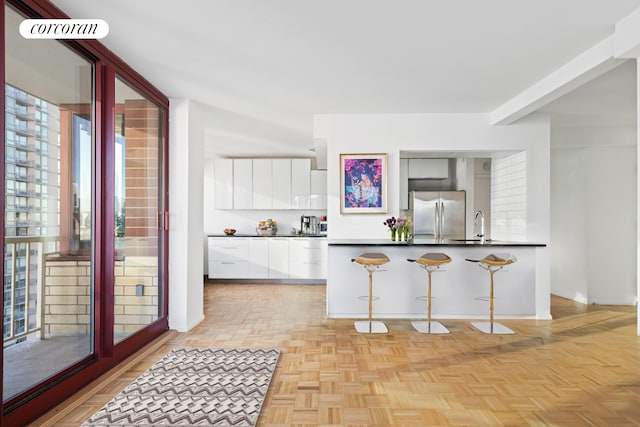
(627, 36)
(592, 63)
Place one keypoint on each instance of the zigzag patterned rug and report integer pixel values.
(194, 387)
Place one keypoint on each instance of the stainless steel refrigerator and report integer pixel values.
(438, 214)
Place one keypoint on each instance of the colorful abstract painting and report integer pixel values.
(363, 187)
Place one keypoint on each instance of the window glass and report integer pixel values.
(138, 205)
(48, 313)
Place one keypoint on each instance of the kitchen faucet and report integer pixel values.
(475, 222)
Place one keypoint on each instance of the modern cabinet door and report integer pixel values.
(242, 183)
(300, 183)
(429, 168)
(318, 189)
(228, 257)
(223, 184)
(281, 183)
(262, 184)
(259, 258)
(278, 258)
(308, 258)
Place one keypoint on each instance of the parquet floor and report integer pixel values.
(581, 369)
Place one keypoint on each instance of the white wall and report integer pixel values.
(638, 183)
(392, 133)
(186, 154)
(569, 276)
(481, 197)
(593, 214)
(509, 197)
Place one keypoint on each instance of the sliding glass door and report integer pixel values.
(139, 217)
(85, 218)
(49, 209)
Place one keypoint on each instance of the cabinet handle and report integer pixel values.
(227, 263)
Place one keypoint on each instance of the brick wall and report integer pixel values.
(68, 295)
(142, 164)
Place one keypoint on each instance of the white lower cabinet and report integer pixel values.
(308, 258)
(258, 258)
(267, 258)
(278, 257)
(228, 257)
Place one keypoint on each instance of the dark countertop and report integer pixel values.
(275, 235)
(429, 242)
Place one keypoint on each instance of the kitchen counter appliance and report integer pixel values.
(309, 224)
(323, 226)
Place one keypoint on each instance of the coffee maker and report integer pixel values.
(309, 224)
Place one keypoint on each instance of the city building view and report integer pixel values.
(32, 206)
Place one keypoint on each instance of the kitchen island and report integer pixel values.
(522, 290)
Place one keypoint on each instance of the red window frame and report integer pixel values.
(34, 403)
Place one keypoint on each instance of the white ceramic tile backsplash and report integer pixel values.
(509, 197)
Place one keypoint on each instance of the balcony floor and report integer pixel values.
(29, 362)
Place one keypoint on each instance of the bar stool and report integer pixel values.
(371, 262)
(493, 263)
(430, 262)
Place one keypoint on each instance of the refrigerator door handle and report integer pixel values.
(442, 217)
(436, 221)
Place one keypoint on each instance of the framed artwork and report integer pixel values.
(363, 183)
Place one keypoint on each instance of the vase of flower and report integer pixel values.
(391, 223)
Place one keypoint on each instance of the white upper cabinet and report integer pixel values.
(223, 184)
(242, 184)
(262, 184)
(428, 168)
(268, 184)
(318, 189)
(281, 183)
(300, 183)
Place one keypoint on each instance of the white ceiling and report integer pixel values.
(261, 69)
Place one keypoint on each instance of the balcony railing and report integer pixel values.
(32, 321)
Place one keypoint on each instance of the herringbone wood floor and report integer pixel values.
(581, 369)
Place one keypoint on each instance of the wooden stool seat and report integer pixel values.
(495, 260)
(371, 258)
(493, 263)
(371, 261)
(430, 262)
(434, 259)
